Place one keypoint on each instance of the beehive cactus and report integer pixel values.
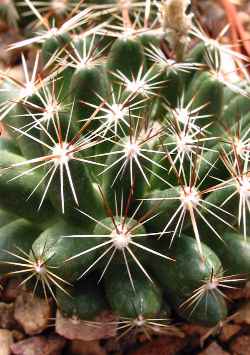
(124, 177)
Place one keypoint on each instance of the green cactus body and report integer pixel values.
(84, 302)
(173, 87)
(241, 125)
(69, 169)
(53, 44)
(30, 148)
(196, 54)
(6, 217)
(228, 249)
(208, 92)
(9, 145)
(88, 85)
(145, 300)
(128, 171)
(16, 239)
(14, 193)
(148, 40)
(166, 202)
(120, 233)
(210, 311)
(8, 92)
(51, 250)
(235, 109)
(180, 280)
(126, 55)
(230, 209)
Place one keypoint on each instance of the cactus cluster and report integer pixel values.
(124, 179)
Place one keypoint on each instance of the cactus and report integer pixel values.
(124, 179)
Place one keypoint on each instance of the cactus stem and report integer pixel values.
(186, 115)
(146, 326)
(170, 65)
(143, 84)
(116, 113)
(61, 152)
(238, 169)
(20, 92)
(214, 285)
(51, 106)
(85, 57)
(214, 44)
(222, 75)
(25, 89)
(120, 239)
(134, 152)
(36, 267)
(192, 203)
(188, 143)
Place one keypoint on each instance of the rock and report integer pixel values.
(17, 335)
(6, 340)
(54, 345)
(166, 345)
(39, 345)
(194, 329)
(7, 319)
(11, 290)
(113, 345)
(82, 330)
(240, 345)
(243, 314)
(196, 333)
(32, 313)
(79, 347)
(214, 349)
(31, 346)
(228, 331)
